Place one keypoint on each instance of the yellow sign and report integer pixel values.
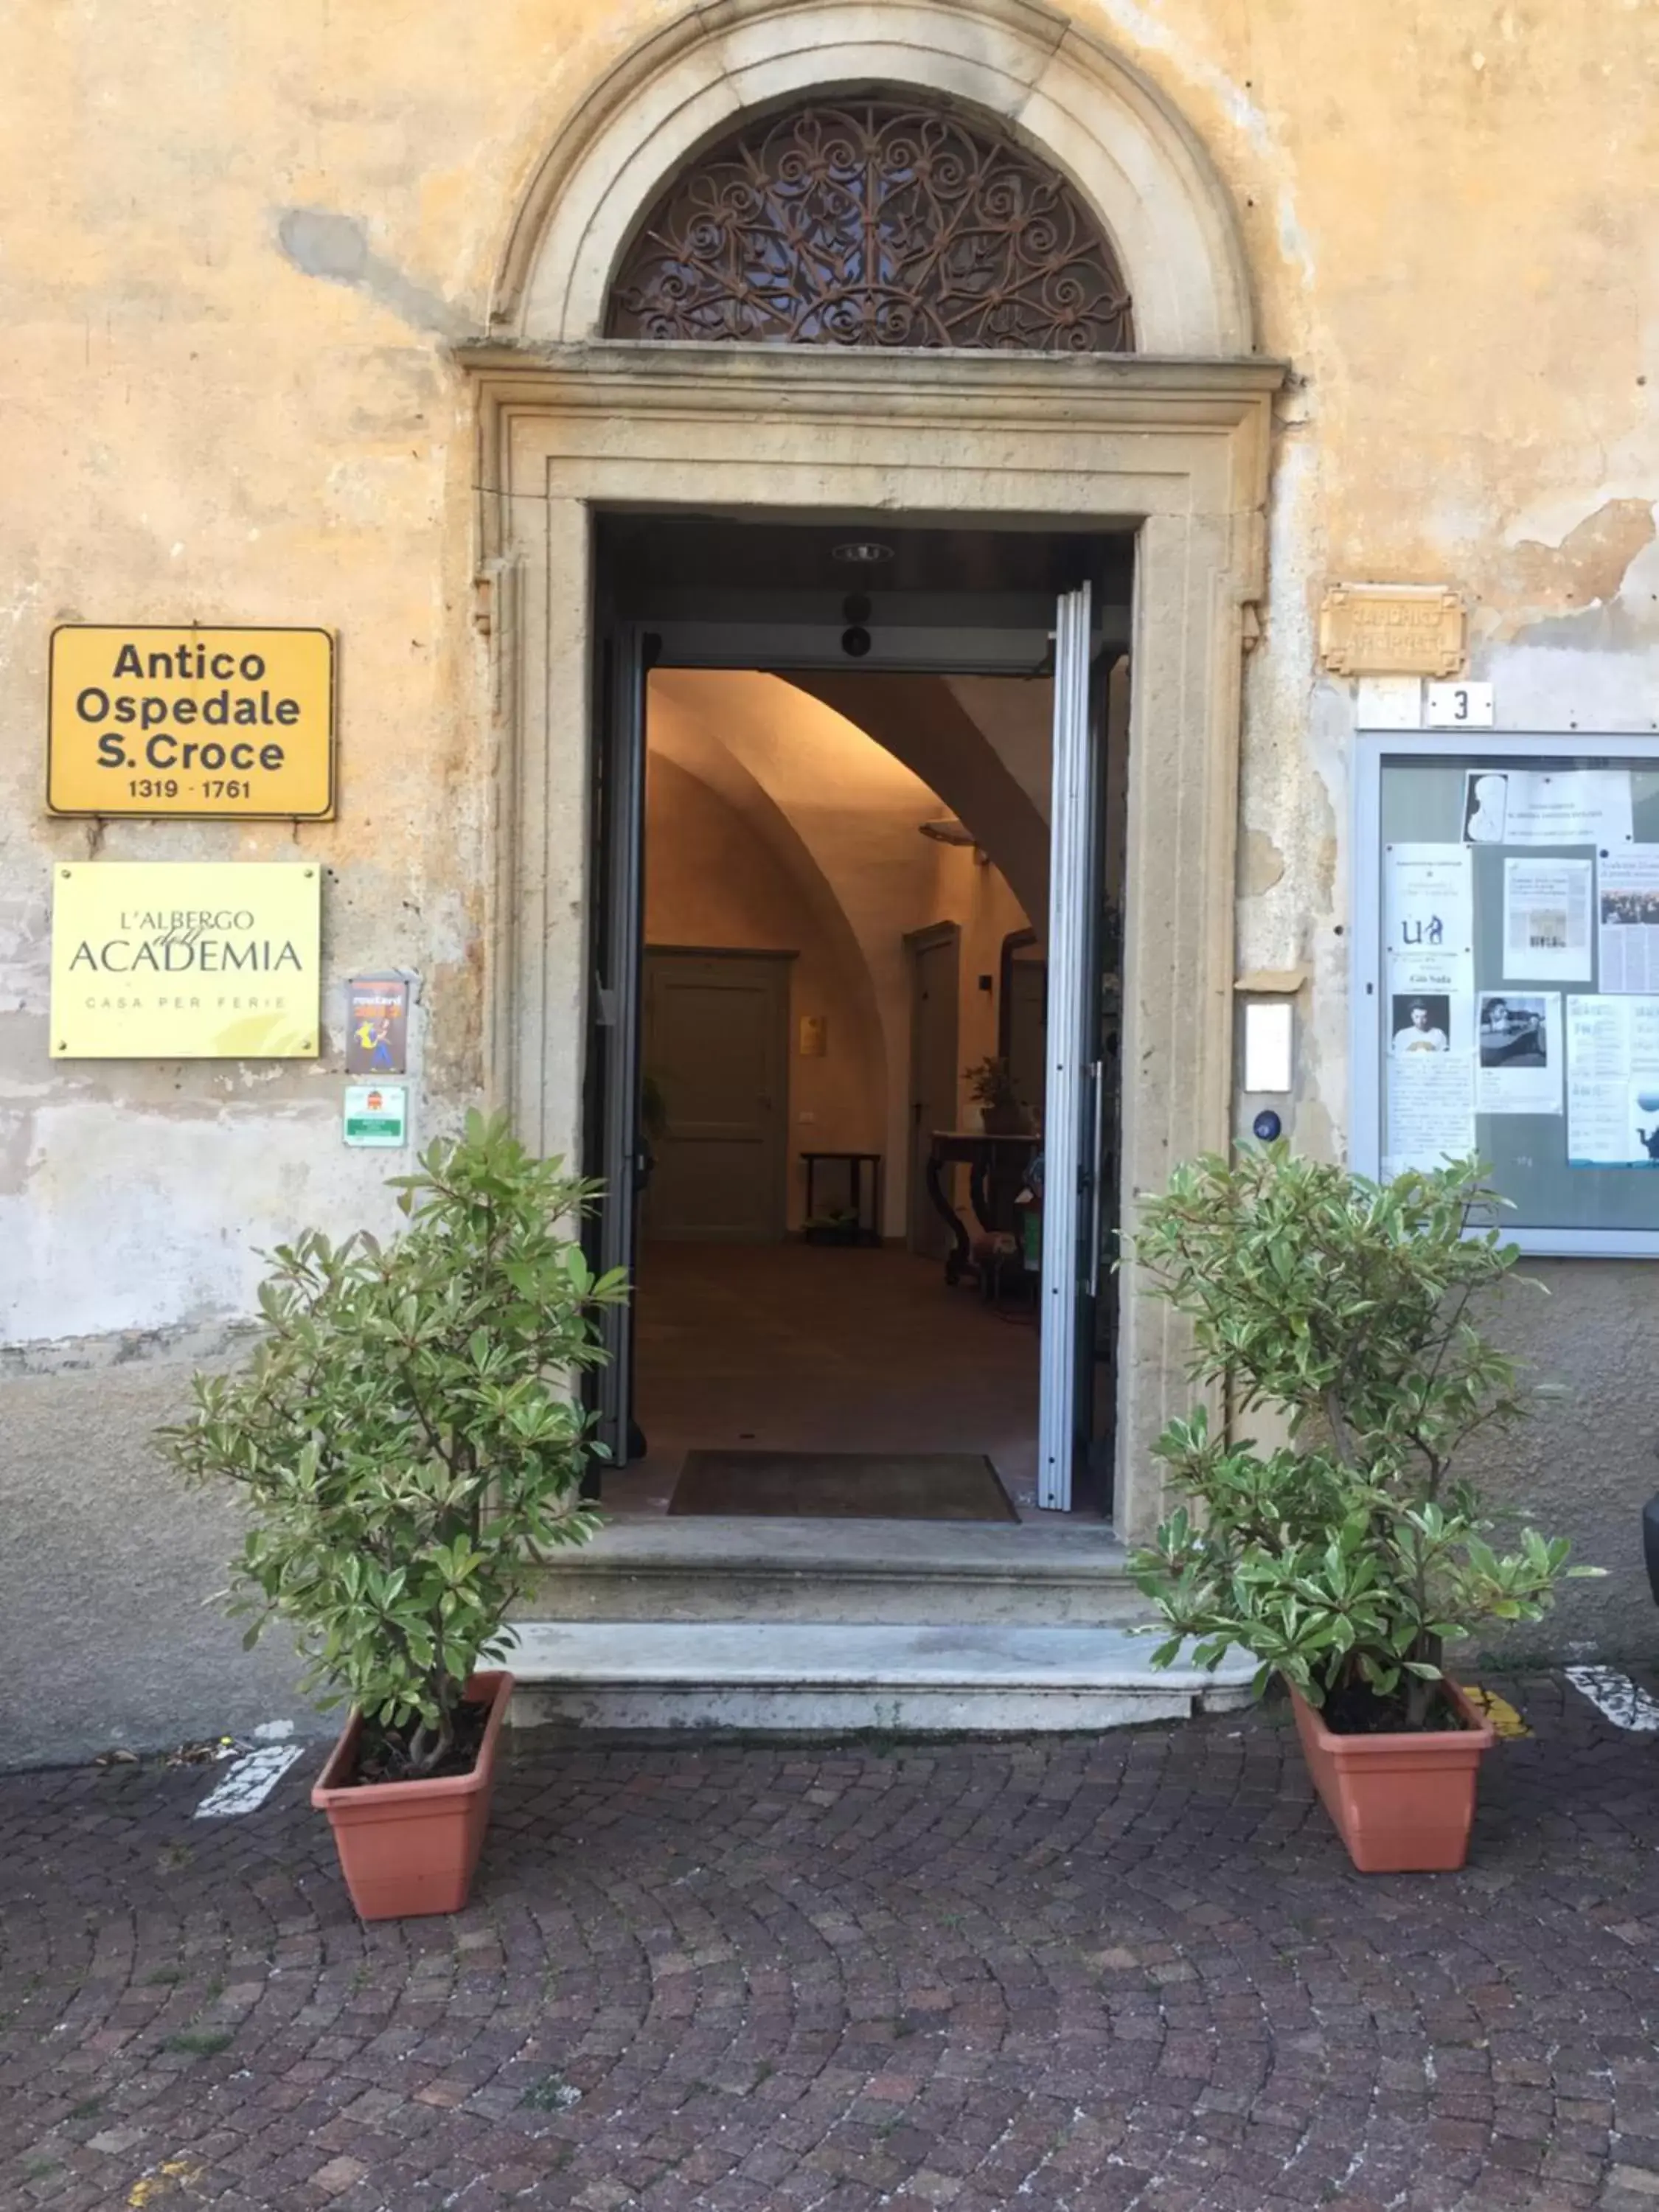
(195, 960)
(1391, 630)
(152, 720)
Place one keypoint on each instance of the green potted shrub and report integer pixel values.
(406, 1437)
(1346, 1557)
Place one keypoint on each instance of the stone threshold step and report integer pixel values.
(820, 1677)
(771, 1541)
(714, 1568)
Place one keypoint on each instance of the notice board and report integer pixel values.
(1506, 976)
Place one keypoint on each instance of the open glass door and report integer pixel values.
(613, 1080)
(1079, 1112)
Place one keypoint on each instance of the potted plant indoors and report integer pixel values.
(1003, 1112)
(407, 1436)
(1345, 1558)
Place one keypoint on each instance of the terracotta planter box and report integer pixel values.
(409, 1848)
(1402, 1804)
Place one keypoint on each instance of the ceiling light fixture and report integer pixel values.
(861, 552)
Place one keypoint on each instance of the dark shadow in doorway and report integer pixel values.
(843, 1485)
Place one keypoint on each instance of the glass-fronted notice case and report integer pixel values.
(1506, 976)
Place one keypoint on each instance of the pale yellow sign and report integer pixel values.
(191, 960)
(151, 720)
(1392, 630)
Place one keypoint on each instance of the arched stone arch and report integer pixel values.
(1051, 85)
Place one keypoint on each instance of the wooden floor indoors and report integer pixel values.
(798, 1347)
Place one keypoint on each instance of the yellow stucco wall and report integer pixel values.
(239, 242)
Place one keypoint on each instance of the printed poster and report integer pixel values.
(1426, 1015)
(1429, 976)
(1628, 914)
(1429, 906)
(1532, 807)
(1612, 1081)
(1431, 1108)
(1546, 921)
(1519, 1053)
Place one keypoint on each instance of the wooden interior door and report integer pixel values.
(716, 1046)
(935, 965)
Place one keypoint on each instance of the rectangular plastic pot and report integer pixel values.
(1402, 1804)
(411, 1848)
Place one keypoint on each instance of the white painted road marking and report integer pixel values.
(249, 1780)
(1617, 1697)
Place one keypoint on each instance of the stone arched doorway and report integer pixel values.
(1168, 439)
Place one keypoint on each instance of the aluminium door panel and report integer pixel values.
(1074, 1097)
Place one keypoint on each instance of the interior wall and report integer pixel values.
(1015, 714)
(977, 898)
(839, 816)
(712, 879)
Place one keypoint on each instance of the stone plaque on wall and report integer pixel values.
(1391, 630)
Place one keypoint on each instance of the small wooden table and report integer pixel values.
(993, 1163)
(859, 1230)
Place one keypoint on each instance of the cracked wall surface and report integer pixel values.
(236, 257)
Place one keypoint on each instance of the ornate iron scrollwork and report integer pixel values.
(867, 223)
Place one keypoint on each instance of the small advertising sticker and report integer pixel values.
(376, 1113)
(377, 1025)
(186, 960)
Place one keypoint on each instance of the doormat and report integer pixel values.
(843, 1485)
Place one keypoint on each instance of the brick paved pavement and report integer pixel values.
(757, 1977)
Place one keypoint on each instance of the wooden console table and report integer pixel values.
(990, 1160)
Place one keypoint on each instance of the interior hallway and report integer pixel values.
(803, 1347)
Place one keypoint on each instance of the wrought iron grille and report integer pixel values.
(872, 224)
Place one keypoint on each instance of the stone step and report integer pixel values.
(912, 1573)
(814, 1678)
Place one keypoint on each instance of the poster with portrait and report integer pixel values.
(1518, 1055)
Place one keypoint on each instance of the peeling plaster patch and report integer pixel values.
(1579, 577)
(17, 1149)
(1315, 1133)
(1241, 111)
(25, 952)
(1261, 864)
(320, 243)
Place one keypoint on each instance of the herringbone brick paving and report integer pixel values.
(1130, 1971)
